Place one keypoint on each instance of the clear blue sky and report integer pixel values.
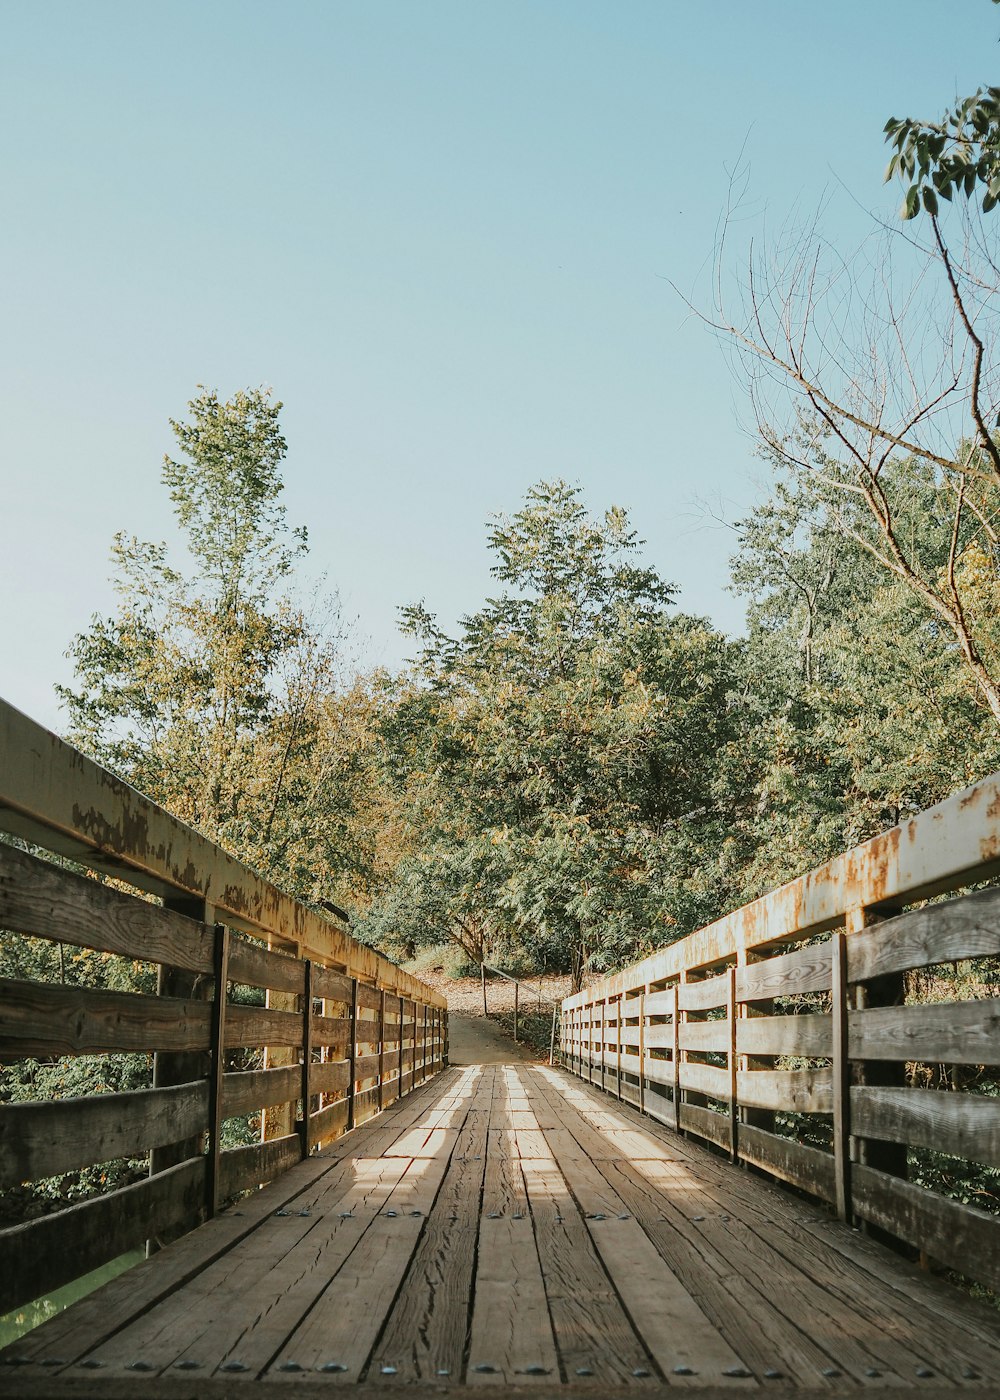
(441, 229)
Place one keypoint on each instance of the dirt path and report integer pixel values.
(475, 1041)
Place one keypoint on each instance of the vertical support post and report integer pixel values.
(413, 1052)
(604, 1032)
(517, 988)
(352, 1057)
(482, 973)
(381, 1050)
(677, 1059)
(552, 1037)
(446, 1055)
(591, 1011)
(642, 1050)
(180, 1067)
(221, 973)
(423, 1067)
(307, 1049)
(732, 1009)
(841, 1081)
(621, 1004)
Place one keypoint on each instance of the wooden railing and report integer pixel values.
(812, 1064)
(355, 1032)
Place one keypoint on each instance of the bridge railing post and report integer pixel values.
(218, 1069)
(307, 1053)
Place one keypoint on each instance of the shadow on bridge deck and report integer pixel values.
(509, 1227)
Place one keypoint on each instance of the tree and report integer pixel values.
(211, 688)
(877, 376)
(558, 754)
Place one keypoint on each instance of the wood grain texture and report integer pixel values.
(788, 974)
(42, 1255)
(39, 898)
(958, 1236)
(246, 1168)
(968, 927)
(809, 1035)
(45, 1019)
(962, 1125)
(45, 1139)
(254, 965)
(962, 1032)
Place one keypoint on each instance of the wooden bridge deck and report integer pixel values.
(510, 1227)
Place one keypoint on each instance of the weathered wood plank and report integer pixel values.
(958, 1236)
(961, 1125)
(704, 1079)
(45, 1019)
(424, 1337)
(702, 996)
(510, 1328)
(45, 1139)
(810, 1035)
(43, 1254)
(246, 1168)
(791, 1090)
(260, 1025)
(968, 927)
(789, 974)
(331, 985)
(702, 1035)
(713, 1126)
(253, 965)
(805, 1167)
(249, 1090)
(954, 1032)
(39, 898)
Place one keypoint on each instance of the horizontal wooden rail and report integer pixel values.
(812, 1064)
(354, 1031)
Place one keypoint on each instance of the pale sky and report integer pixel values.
(444, 231)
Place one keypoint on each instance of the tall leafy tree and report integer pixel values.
(210, 686)
(557, 752)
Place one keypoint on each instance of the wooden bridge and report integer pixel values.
(740, 1176)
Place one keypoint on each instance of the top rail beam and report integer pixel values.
(53, 795)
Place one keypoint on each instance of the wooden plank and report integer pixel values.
(45, 1139)
(369, 998)
(704, 1079)
(511, 1337)
(260, 1025)
(246, 1168)
(45, 1019)
(791, 1090)
(331, 1077)
(253, 965)
(328, 1122)
(424, 1337)
(703, 1035)
(43, 1254)
(331, 1030)
(332, 986)
(713, 1126)
(940, 933)
(962, 1125)
(42, 899)
(954, 1032)
(702, 996)
(805, 1167)
(959, 1236)
(593, 1333)
(352, 1309)
(808, 1035)
(674, 1329)
(790, 974)
(246, 1091)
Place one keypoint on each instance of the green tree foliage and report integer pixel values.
(558, 754)
(210, 687)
